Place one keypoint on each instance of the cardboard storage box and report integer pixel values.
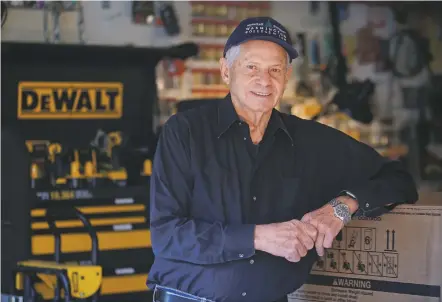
(395, 257)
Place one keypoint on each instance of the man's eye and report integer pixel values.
(251, 67)
(276, 70)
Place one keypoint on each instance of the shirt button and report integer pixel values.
(367, 205)
(252, 261)
(245, 138)
(254, 198)
(243, 294)
(241, 255)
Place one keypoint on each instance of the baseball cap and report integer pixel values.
(261, 28)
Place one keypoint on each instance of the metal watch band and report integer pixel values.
(334, 202)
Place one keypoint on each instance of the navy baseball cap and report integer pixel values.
(261, 28)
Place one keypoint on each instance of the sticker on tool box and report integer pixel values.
(70, 100)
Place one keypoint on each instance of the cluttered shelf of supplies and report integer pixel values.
(381, 137)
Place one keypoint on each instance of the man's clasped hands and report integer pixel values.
(293, 239)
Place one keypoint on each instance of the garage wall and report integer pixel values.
(113, 26)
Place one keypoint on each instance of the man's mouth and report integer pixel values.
(261, 93)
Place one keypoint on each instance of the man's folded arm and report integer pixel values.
(174, 234)
(378, 184)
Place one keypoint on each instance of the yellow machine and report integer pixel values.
(80, 282)
(70, 281)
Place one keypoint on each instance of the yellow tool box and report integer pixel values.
(119, 216)
(78, 281)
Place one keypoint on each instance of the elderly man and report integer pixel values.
(245, 198)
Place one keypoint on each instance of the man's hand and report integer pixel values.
(291, 239)
(327, 224)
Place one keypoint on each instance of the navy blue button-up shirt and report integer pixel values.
(211, 185)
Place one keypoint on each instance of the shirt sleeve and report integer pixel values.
(174, 233)
(377, 183)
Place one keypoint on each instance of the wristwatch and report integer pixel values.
(341, 210)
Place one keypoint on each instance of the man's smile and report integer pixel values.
(261, 93)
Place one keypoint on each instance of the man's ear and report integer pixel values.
(224, 69)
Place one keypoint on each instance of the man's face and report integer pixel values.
(258, 76)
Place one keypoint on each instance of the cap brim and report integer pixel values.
(293, 53)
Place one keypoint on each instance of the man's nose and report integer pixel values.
(264, 78)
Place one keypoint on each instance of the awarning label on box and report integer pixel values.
(395, 257)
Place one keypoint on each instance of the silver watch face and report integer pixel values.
(342, 212)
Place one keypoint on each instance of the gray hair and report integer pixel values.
(233, 53)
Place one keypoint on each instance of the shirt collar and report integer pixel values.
(227, 116)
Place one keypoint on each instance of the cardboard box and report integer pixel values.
(395, 257)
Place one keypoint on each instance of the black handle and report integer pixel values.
(54, 213)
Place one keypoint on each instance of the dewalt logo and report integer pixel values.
(70, 100)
